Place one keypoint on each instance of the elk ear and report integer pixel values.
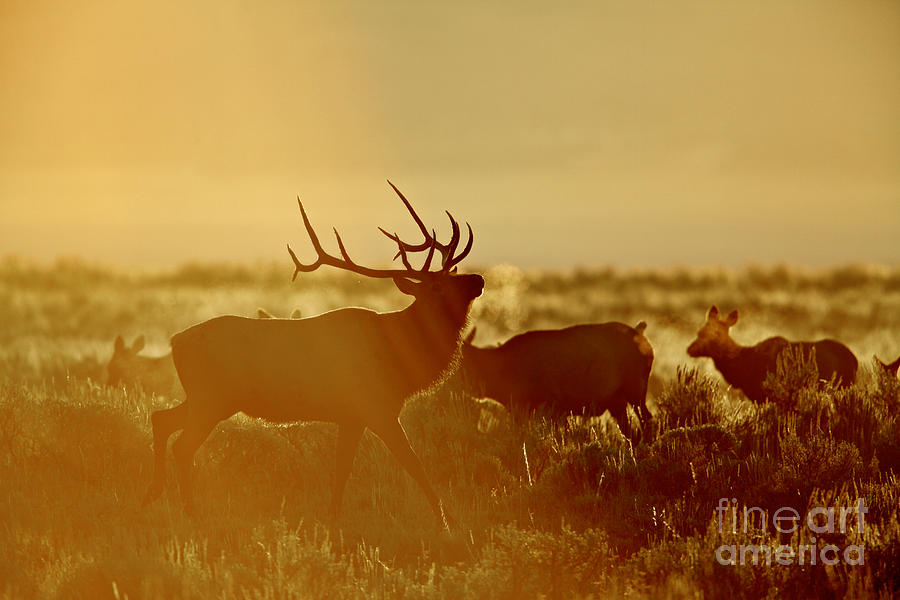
(713, 312)
(297, 314)
(138, 344)
(470, 337)
(119, 344)
(732, 318)
(407, 286)
(262, 313)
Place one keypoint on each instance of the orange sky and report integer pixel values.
(630, 133)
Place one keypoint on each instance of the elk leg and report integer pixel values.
(349, 435)
(165, 423)
(394, 437)
(644, 413)
(646, 419)
(637, 398)
(620, 414)
(195, 433)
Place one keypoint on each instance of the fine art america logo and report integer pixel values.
(820, 520)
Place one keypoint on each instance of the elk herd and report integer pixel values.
(356, 367)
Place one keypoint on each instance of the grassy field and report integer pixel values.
(539, 509)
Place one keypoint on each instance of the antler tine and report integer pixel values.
(448, 250)
(298, 266)
(396, 239)
(455, 261)
(309, 229)
(427, 264)
(340, 244)
(403, 248)
(410, 247)
(402, 253)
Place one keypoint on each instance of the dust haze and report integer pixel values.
(695, 133)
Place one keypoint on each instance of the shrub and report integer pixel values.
(818, 462)
(856, 419)
(886, 445)
(692, 399)
(518, 563)
(795, 370)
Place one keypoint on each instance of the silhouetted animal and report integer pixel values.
(262, 313)
(889, 368)
(352, 366)
(154, 374)
(746, 367)
(585, 369)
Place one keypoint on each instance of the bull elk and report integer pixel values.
(585, 369)
(746, 367)
(353, 366)
(155, 374)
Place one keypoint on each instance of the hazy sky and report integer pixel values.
(623, 133)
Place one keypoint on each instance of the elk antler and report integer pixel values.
(448, 261)
(346, 263)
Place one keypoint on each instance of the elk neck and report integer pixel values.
(441, 326)
(429, 338)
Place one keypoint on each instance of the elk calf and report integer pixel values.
(154, 374)
(889, 368)
(351, 366)
(585, 369)
(746, 367)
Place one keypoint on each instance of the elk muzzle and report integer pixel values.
(475, 284)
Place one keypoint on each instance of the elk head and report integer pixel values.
(443, 295)
(713, 337)
(122, 364)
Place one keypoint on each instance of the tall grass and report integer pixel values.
(539, 509)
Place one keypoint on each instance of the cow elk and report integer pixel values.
(352, 366)
(890, 369)
(581, 370)
(746, 367)
(154, 374)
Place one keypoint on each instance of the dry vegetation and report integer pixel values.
(541, 510)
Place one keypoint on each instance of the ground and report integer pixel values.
(556, 510)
